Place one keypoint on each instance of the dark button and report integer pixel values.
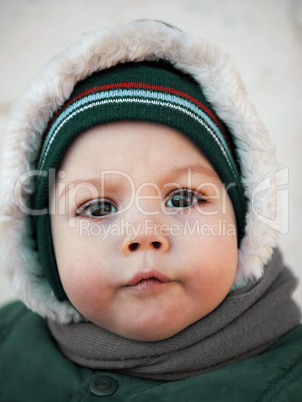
(103, 386)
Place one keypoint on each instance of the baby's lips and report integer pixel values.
(143, 275)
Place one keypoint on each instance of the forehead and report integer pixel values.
(128, 144)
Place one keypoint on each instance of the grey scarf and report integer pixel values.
(248, 321)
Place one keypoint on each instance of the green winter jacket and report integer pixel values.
(33, 370)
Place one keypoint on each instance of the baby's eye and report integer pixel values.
(184, 198)
(97, 209)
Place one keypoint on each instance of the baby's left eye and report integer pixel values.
(184, 199)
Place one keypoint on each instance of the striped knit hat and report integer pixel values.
(146, 91)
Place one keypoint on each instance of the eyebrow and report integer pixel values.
(95, 182)
(167, 177)
(194, 168)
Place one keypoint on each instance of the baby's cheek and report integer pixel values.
(76, 279)
(213, 263)
(89, 296)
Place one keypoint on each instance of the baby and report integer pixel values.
(129, 232)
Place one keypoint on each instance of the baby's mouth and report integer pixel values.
(148, 283)
(147, 280)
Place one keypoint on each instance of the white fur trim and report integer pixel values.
(146, 40)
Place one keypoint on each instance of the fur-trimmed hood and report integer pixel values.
(98, 50)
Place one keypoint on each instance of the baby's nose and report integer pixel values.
(146, 241)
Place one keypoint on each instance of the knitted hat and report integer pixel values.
(145, 91)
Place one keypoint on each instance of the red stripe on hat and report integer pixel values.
(138, 85)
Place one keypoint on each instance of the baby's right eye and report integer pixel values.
(96, 209)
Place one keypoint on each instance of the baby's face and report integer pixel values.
(143, 230)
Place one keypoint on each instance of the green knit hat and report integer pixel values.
(145, 91)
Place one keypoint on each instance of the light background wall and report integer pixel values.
(263, 37)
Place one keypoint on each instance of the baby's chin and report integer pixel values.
(150, 331)
(150, 336)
